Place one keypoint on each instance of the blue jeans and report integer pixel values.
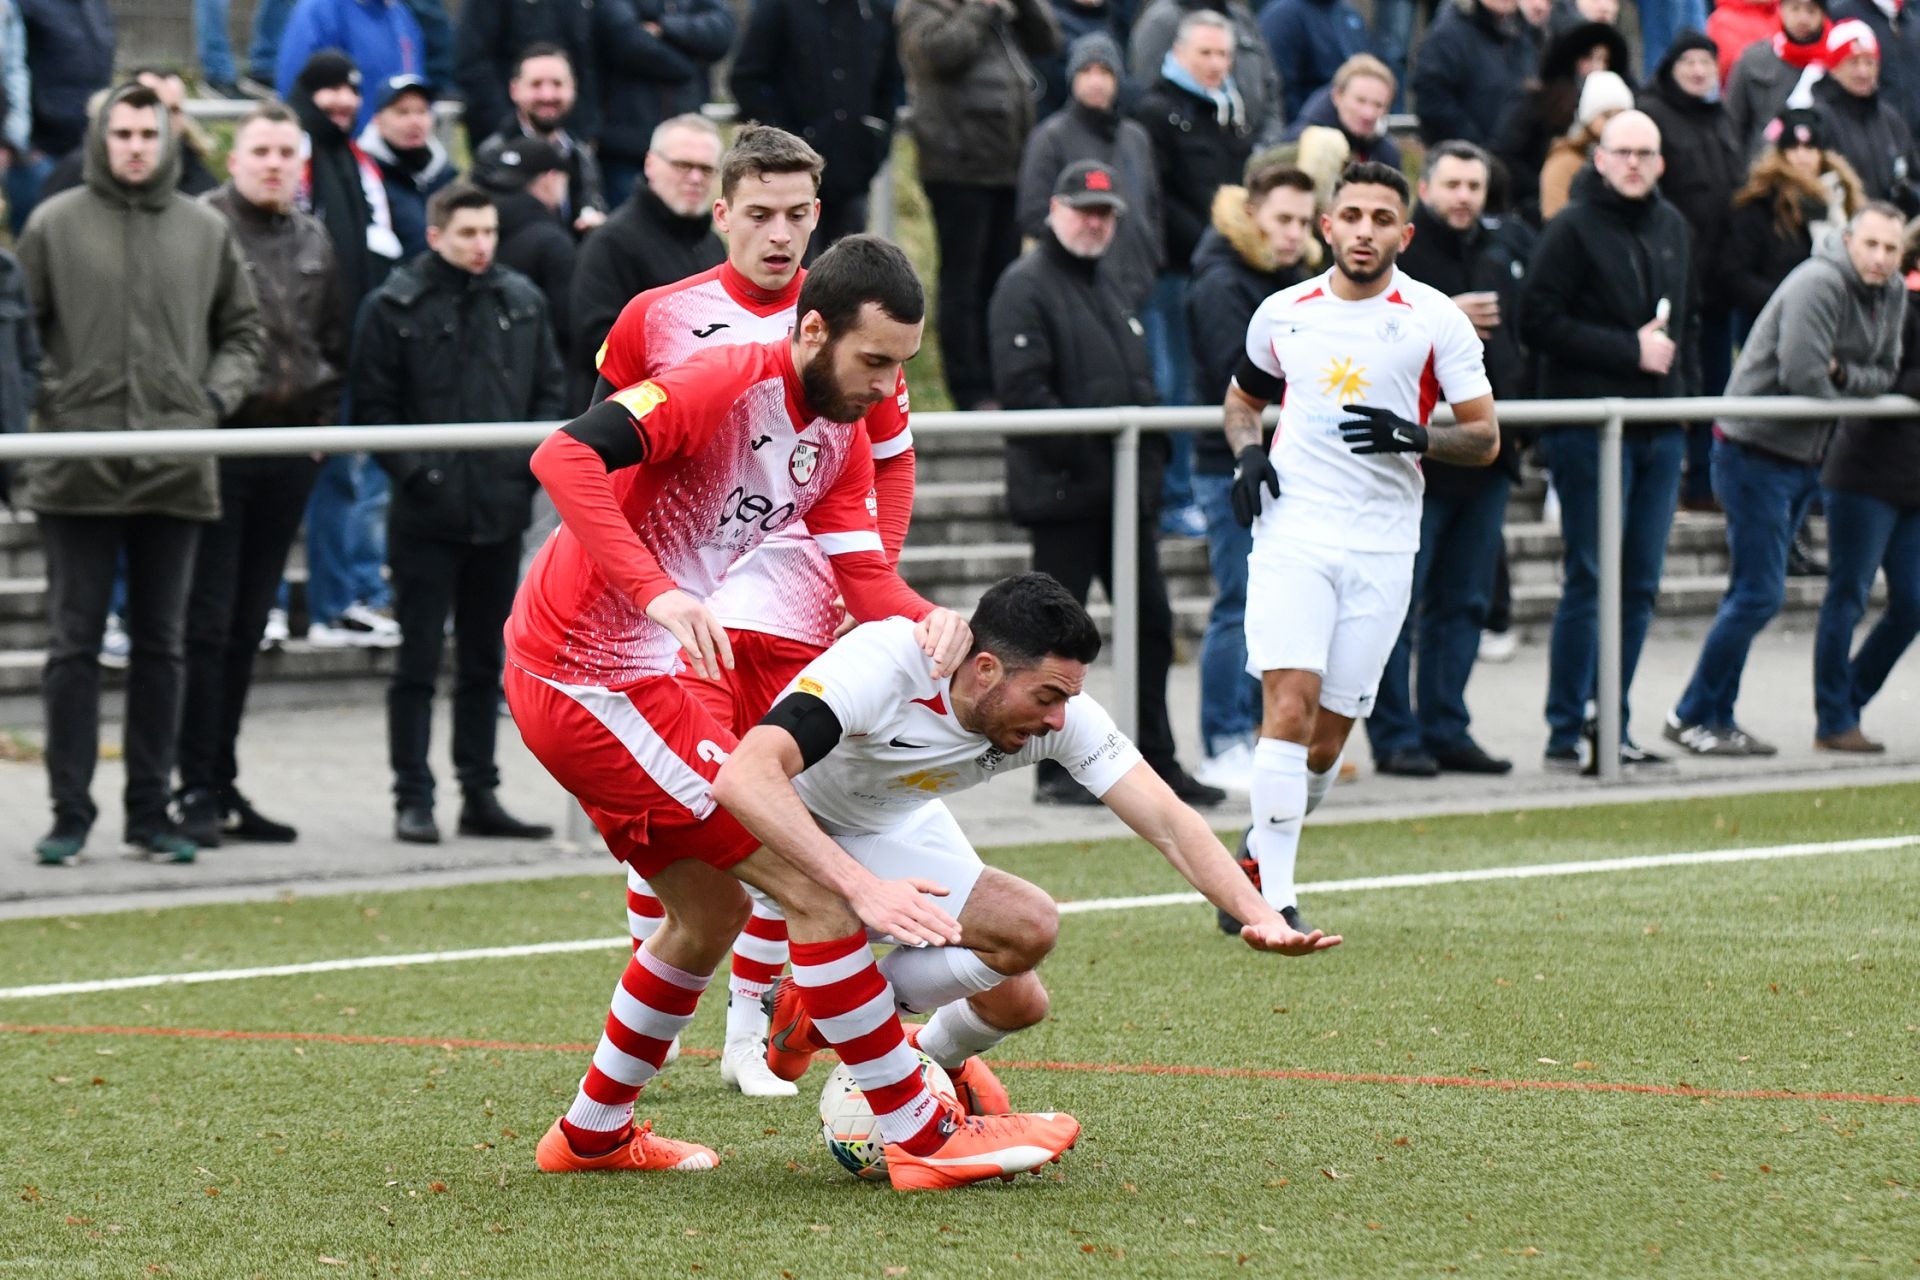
(210, 35)
(1229, 697)
(1660, 22)
(617, 181)
(346, 537)
(1452, 592)
(1392, 38)
(1761, 495)
(1650, 483)
(23, 182)
(263, 49)
(1171, 350)
(1863, 535)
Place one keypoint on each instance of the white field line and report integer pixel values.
(1413, 880)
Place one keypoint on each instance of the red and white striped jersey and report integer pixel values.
(1403, 349)
(730, 458)
(785, 587)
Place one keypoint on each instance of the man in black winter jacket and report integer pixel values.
(1476, 55)
(527, 179)
(547, 103)
(1060, 335)
(1609, 309)
(451, 337)
(827, 71)
(664, 232)
(1865, 127)
(1480, 263)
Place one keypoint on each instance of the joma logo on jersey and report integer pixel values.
(804, 462)
(928, 780)
(641, 400)
(1344, 380)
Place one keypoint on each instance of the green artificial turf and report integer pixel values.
(241, 1157)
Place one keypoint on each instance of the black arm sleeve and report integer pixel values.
(1257, 382)
(810, 721)
(611, 431)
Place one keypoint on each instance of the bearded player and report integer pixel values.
(780, 605)
(1363, 353)
(660, 488)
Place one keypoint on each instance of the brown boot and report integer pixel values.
(1852, 740)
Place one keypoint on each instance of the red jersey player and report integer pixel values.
(660, 488)
(780, 604)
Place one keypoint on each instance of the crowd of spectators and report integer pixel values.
(1113, 187)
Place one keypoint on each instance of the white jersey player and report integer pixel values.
(1362, 353)
(855, 756)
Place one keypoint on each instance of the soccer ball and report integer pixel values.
(848, 1125)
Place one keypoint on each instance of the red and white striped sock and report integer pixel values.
(852, 1007)
(759, 954)
(653, 1002)
(644, 911)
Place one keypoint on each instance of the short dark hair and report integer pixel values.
(1455, 149)
(451, 199)
(1030, 616)
(1271, 177)
(541, 49)
(268, 112)
(761, 149)
(1373, 174)
(132, 95)
(858, 270)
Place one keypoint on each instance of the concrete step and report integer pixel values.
(298, 660)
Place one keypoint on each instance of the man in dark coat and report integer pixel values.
(1898, 35)
(1311, 39)
(664, 232)
(1608, 308)
(1476, 56)
(1866, 128)
(69, 56)
(492, 42)
(527, 179)
(1090, 127)
(327, 100)
(452, 337)
(413, 163)
(1063, 337)
(237, 569)
(547, 104)
(827, 71)
(1480, 263)
(655, 62)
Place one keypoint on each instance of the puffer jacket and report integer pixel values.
(973, 91)
(290, 262)
(438, 344)
(149, 322)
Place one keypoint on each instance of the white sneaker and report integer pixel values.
(381, 631)
(1231, 770)
(1498, 646)
(116, 647)
(743, 1064)
(275, 636)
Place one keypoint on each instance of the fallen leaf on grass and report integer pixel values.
(436, 1186)
(76, 1221)
(30, 1194)
(1373, 1226)
(1332, 1173)
(213, 1191)
(1551, 1062)
(332, 1262)
(893, 1271)
(1403, 1142)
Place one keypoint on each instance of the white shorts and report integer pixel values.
(1329, 610)
(929, 845)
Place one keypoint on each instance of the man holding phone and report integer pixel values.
(1609, 308)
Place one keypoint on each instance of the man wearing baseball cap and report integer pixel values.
(527, 178)
(1061, 334)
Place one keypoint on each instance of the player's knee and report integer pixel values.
(1017, 924)
(1015, 1005)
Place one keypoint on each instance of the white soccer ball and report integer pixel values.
(848, 1124)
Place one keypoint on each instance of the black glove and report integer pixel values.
(1382, 431)
(1252, 470)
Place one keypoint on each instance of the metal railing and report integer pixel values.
(1125, 424)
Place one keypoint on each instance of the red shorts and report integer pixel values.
(763, 665)
(640, 761)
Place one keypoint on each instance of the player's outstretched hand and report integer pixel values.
(945, 637)
(1251, 471)
(698, 631)
(899, 909)
(1288, 941)
(1381, 431)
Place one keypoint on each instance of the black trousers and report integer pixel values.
(1076, 553)
(83, 554)
(474, 585)
(236, 574)
(979, 239)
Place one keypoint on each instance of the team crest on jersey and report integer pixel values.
(1391, 330)
(990, 759)
(804, 462)
(1344, 380)
(642, 398)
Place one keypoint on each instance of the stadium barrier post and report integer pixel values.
(1125, 700)
(1607, 741)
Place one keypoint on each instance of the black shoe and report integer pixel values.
(60, 846)
(1292, 916)
(242, 822)
(414, 824)
(1190, 789)
(1467, 756)
(482, 815)
(1250, 865)
(1064, 790)
(1561, 760)
(200, 817)
(1803, 562)
(1409, 762)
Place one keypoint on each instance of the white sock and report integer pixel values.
(746, 1018)
(1318, 784)
(926, 978)
(1279, 805)
(955, 1033)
